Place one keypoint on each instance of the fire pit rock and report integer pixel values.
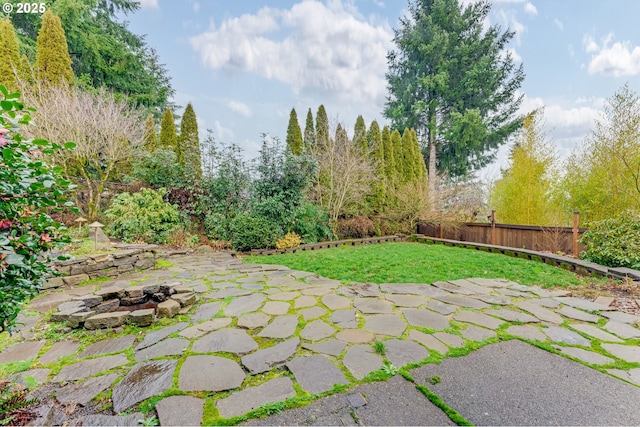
(114, 306)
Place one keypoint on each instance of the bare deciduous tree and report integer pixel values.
(345, 174)
(107, 133)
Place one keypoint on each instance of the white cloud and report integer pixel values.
(530, 9)
(240, 108)
(222, 133)
(149, 4)
(558, 23)
(328, 48)
(618, 59)
(509, 20)
(196, 7)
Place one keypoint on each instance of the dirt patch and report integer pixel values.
(626, 294)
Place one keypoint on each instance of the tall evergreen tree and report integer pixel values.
(451, 80)
(419, 167)
(389, 161)
(189, 143)
(168, 136)
(398, 156)
(408, 173)
(53, 63)
(360, 135)
(9, 55)
(322, 127)
(150, 135)
(25, 71)
(309, 131)
(294, 134)
(374, 139)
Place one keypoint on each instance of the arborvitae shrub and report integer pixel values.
(290, 240)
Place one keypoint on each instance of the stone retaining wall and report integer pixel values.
(576, 265)
(333, 244)
(79, 270)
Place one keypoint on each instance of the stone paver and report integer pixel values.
(180, 411)
(331, 347)
(81, 393)
(304, 301)
(624, 352)
(360, 360)
(513, 316)
(241, 402)
(280, 327)
(111, 345)
(585, 355)
(276, 308)
(168, 347)
(344, 318)
(210, 373)
(244, 304)
(410, 301)
(462, 301)
(228, 340)
(450, 339)
(21, 352)
(441, 307)
(253, 320)
(403, 352)
(91, 367)
(206, 311)
(566, 336)
(58, 350)
(479, 319)
(316, 374)
(428, 341)
(583, 304)
(317, 330)
(595, 332)
(623, 330)
(385, 324)
(527, 332)
(142, 382)
(156, 336)
(373, 306)
(576, 314)
(354, 336)
(476, 333)
(336, 302)
(540, 312)
(264, 359)
(426, 319)
(205, 327)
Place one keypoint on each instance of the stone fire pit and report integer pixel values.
(115, 306)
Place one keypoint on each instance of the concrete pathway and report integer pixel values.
(261, 335)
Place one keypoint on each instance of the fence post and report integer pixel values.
(576, 222)
(493, 227)
(440, 225)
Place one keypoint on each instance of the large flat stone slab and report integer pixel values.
(316, 374)
(280, 327)
(156, 336)
(476, 333)
(623, 330)
(583, 304)
(410, 301)
(206, 311)
(244, 304)
(530, 387)
(111, 345)
(142, 382)
(479, 319)
(91, 367)
(462, 301)
(312, 313)
(625, 352)
(354, 336)
(590, 357)
(513, 316)
(336, 302)
(373, 306)
(169, 347)
(426, 319)
(226, 340)
(241, 402)
(595, 332)
(20, 352)
(428, 341)
(180, 411)
(253, 320)
(540, 312)
(441, 307)
(564, 335)
(344, 318)
(317, 330)
(58, 350)
(210, 373)
(331, 347)
(265, 359)
(576, 314)
(403, 352)
(527, 332)
(82, 393)
(360, 360)
(385, 324)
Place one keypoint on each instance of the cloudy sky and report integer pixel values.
(245, 63)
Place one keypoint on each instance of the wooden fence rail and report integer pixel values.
(533, 237)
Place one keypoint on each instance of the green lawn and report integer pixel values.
(421, 263)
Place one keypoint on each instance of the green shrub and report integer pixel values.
(252, 231)
(217, 226)
(613, 242)
(311, 223)
(158, 169)
(30, 189)
(142, 216)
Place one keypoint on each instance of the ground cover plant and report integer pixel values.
(420, 263)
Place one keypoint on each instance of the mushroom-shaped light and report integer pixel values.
(80, 221)
(95, 225)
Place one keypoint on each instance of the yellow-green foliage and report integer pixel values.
(602, 175)
(9, 56)
(150, 135)
(168, 136)
(53, 63)
(523, 194)
(189, 152)
(290, 240)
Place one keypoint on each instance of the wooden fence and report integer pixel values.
(533, 237)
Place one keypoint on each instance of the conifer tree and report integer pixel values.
(25, 71)
(309, 131)
(150, 135)
(420, 167)
(360, 135)
(189, 145)
(53, 63)
(294, 134)
(374, 139)
(168, 137)
(322, 127)
(398, 156)
(9, 55)
(408, 174)
(389, 161)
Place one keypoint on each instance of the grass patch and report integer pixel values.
(163, 263)
(419, 263)
(86, 247)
